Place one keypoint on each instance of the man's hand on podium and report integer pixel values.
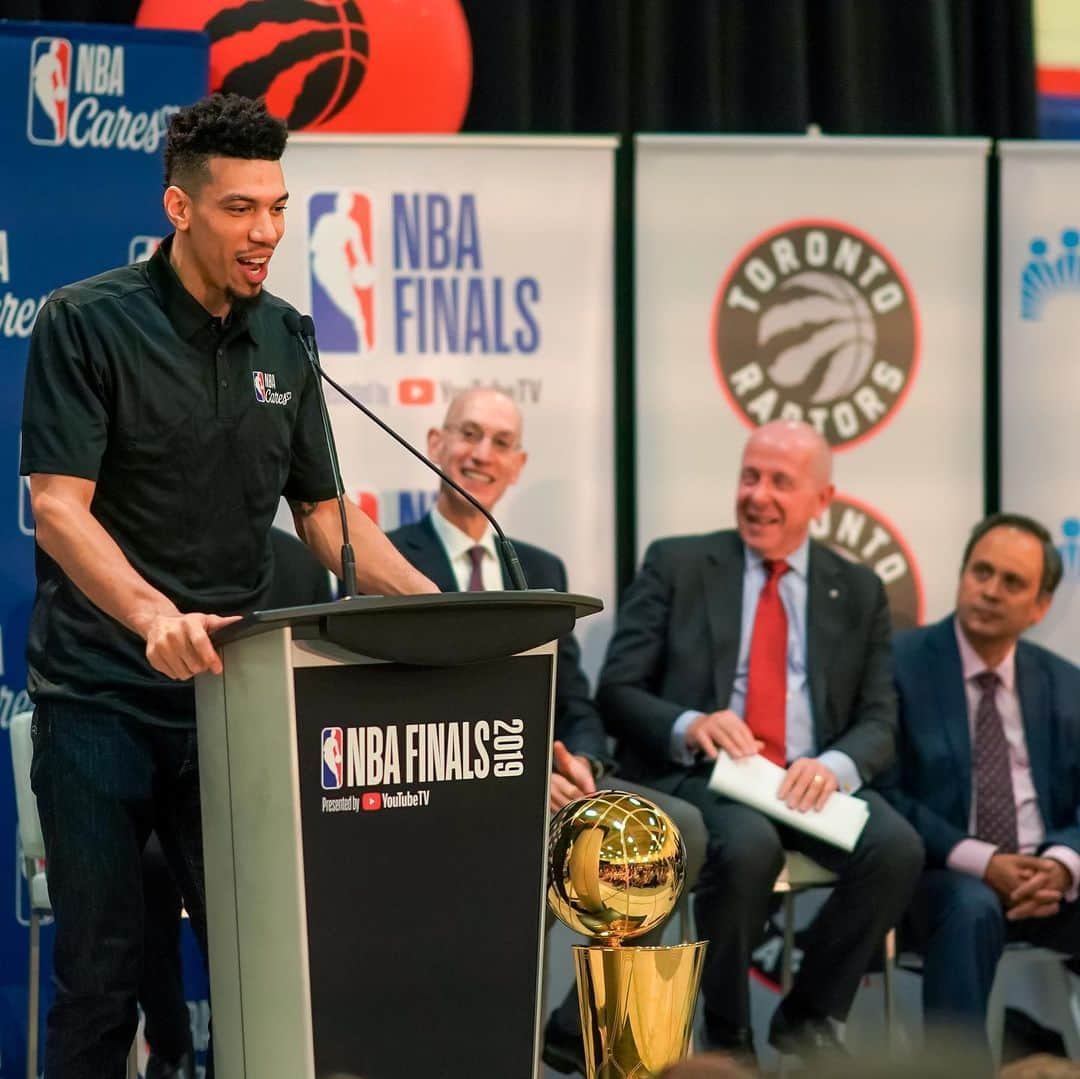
(179, 645)
(571, 778)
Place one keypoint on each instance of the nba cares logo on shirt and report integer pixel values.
(266, 391)
(332, 762)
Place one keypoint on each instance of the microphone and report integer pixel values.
(348, 558)
(304, 328)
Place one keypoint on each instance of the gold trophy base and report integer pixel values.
(637, 1007)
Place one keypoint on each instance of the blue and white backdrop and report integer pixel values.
(83, 110)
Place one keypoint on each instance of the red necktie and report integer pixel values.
(766, 694)
(476, 577)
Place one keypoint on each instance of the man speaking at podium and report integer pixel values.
(167, 411)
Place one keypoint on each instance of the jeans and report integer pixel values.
(161, 991)
(103, 781)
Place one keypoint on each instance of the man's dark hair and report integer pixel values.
(222, 125)
(1051, 573)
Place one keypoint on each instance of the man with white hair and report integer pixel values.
(759, 640)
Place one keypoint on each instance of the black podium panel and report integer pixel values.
(404, 918)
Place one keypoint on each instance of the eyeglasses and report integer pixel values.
(474, 434)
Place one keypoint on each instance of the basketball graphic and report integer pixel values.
(840, 352)
(815, 321)
(336, 65)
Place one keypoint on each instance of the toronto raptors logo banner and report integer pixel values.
(430, 267)
(1039, 302)
(834, 281)
(83, 114)
(830, 323)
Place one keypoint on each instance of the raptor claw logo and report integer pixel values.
(815, 321)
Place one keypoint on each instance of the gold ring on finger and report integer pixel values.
(818, 779)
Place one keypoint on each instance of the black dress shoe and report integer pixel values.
(563, 1051)
(811, 1038)
(159, 1068)
(737, 1043)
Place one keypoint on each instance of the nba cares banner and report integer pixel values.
(83, 111)
(432, 265)
(1040, 388)
(835, 281)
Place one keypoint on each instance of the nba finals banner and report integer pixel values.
(83, 111)
(1040, 392)
(432, 265)
(835, 281)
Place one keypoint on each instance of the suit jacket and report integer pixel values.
(577, 723)
(931, 783)
(676, 647)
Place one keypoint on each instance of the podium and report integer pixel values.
(374, 778)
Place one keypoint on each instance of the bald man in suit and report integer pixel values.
(759, 640)
(480, 446)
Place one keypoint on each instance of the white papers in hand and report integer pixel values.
(754, 781)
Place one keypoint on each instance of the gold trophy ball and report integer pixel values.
(616, 866)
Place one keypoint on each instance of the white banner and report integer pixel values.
(1040, 384)
(435, 264)
(839, 281)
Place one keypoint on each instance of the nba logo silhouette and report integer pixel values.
(341, 261)
(260, 386)
(50, 91)
(331, 759)
(142, 247)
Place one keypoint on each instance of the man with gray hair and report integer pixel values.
(759, 640)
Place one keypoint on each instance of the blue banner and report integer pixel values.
(83, 112)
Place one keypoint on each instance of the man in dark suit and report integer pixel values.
(988, 772)
(761, 640)
(479, 446)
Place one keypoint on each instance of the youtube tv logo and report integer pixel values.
(416, 391)
(370, 801)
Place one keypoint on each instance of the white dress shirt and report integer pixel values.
(457, 545)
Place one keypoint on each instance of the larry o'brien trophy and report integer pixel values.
(616, 866)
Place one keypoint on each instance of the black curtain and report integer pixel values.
(122, 11)
(853, 67)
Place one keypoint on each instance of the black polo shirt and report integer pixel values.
(192, 430)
